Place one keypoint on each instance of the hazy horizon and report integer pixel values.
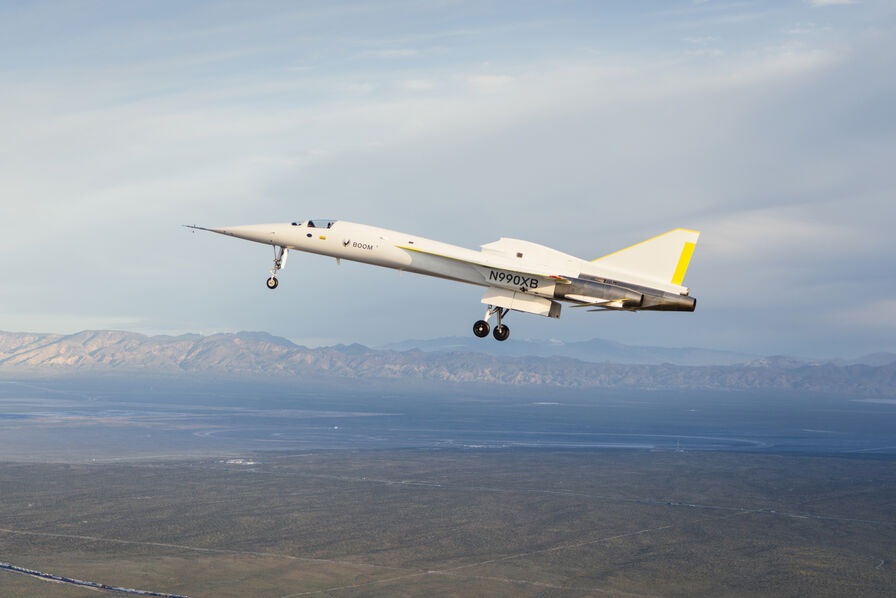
(472, 343)
(88, 344)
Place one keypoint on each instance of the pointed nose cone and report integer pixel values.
(260, 233)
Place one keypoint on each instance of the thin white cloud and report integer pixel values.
(704, 52)
(358, 88)
(781, 62)
(759, 235)
(808, 29)
(830, 2)
(418, 84)
(490, 82)
(393, 53)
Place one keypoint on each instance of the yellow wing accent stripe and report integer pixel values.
(683, 262)
(646, 241)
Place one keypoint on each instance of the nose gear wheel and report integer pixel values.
(280, 255)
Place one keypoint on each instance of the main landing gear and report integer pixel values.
(481, 327)
(280, 255)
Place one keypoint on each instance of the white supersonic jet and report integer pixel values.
(517, 275)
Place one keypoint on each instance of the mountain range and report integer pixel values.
(603, 351)
(257, 354)
(595, 350)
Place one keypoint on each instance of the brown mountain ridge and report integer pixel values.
(258, 354)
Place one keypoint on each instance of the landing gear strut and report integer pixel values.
(481, 327)
(280, 255)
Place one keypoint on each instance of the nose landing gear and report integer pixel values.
(280, 255)
(481, 327)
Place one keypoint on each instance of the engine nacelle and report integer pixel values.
(626, 296)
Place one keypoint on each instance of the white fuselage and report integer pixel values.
(509, 263)
(519, 275)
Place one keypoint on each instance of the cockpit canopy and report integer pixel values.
(316, 223)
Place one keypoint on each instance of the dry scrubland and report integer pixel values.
(458, 523)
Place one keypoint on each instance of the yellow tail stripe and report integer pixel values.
(683, 262)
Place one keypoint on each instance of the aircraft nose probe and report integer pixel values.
(260, 233)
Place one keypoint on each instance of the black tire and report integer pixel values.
(273, 282)
(481, 328)
(501, 332)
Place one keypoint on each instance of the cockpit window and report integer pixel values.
(321, 223)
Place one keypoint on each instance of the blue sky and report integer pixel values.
(586, 126)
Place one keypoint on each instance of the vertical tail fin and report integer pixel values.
(664, 258)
